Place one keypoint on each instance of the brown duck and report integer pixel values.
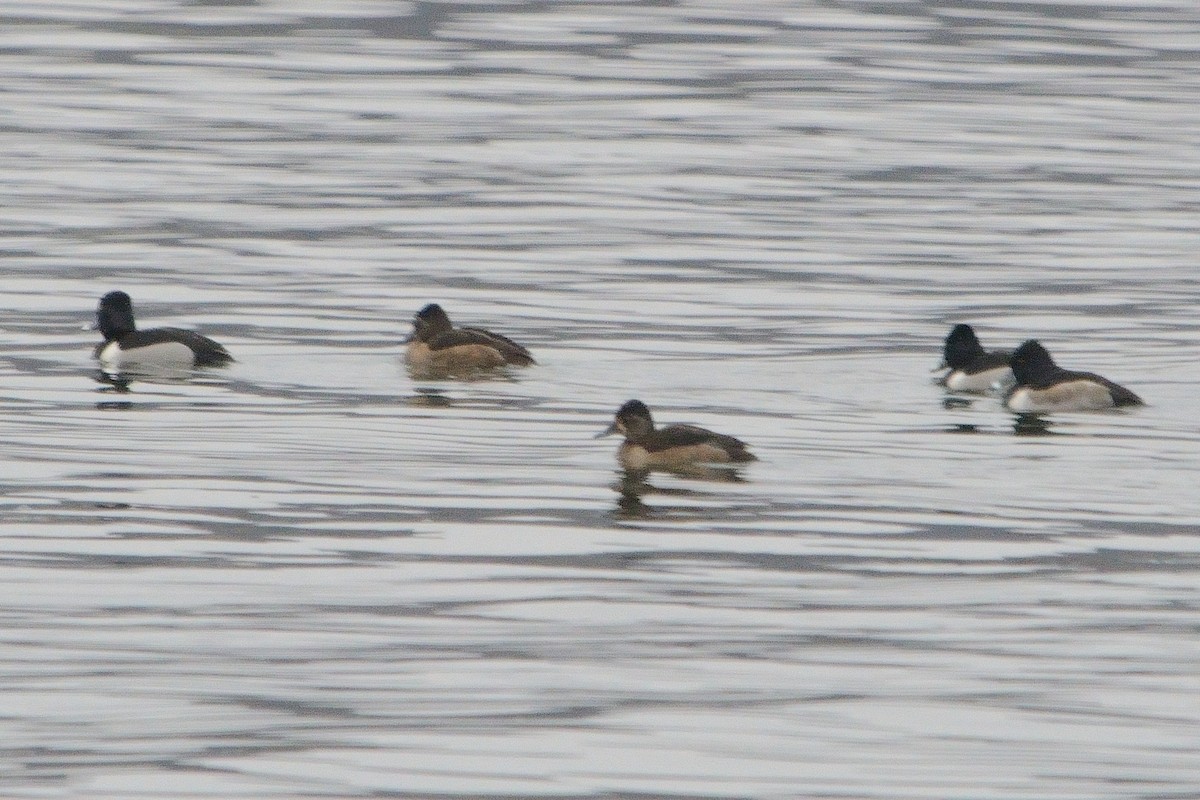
(437, 346)
(673, 447)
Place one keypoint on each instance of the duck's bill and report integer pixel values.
(611, 429)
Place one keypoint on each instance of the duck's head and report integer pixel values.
(114, 315)
(429, 322)
(633, 420)
(1031, 363)
(962, 347)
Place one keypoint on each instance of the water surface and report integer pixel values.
(313, 575)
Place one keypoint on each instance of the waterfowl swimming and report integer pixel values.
(972, 369)
(437, 346)
(127, 348)
(675, 446)
(1042, 385)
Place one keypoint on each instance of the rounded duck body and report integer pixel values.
(971, 368)
(126, 347)
(1043, 386)
(436, 346)
(673, 447)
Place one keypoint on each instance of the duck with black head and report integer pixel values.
(128, 348)
(673, 447)
(1042, 386)
(436, 346)
(971, 368)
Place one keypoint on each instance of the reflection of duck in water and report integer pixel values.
(125, 348)
(675, 447)
(1044, 386)
(972, 369)
(430, 398)
(1032, 425)
(437, 346)
(634, 488)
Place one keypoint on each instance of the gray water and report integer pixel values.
(311, 575)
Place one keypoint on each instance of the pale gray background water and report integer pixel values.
(312, 576)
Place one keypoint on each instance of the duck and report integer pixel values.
(125, 347)
(437, 346)
(673, 447)
(1042, 385)
(971, 368)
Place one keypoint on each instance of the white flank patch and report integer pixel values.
(959, 381)
(165, 355)
(1072, 396)
(1021, 401)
